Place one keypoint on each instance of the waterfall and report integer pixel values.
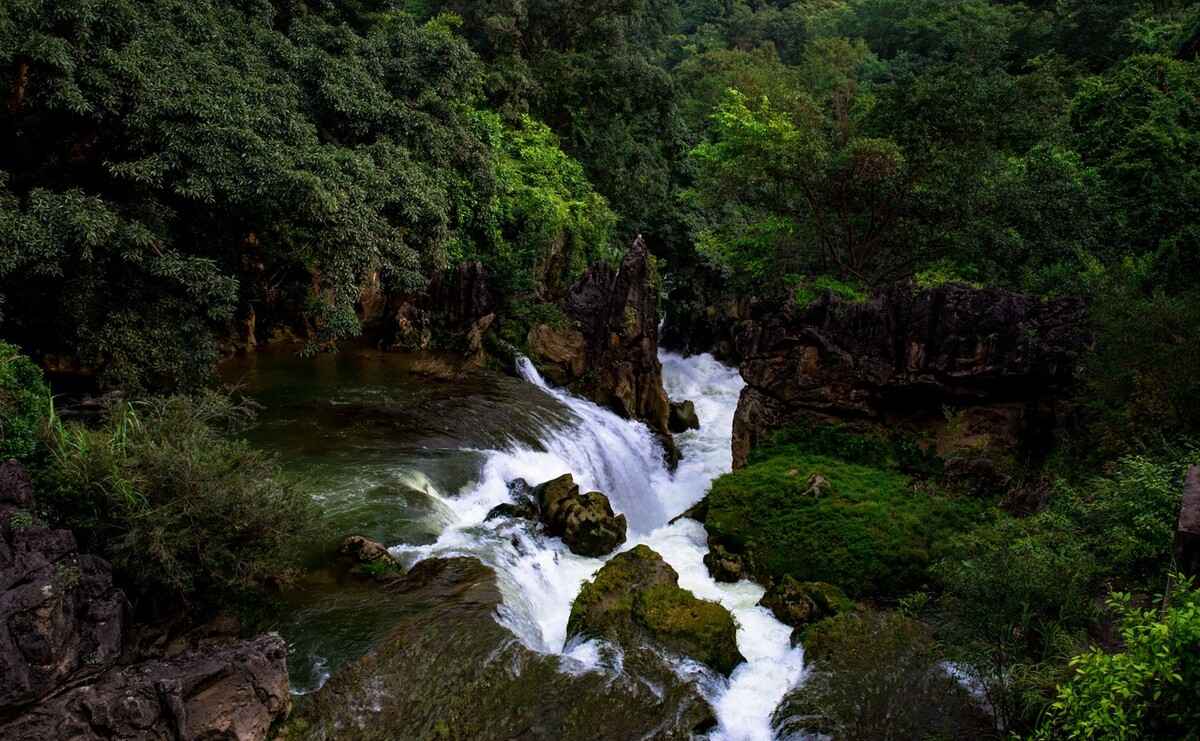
(539, 577)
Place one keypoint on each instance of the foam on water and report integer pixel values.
(539, 577)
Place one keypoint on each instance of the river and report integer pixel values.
(418, 463)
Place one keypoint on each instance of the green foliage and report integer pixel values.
(836, 441)
(24, 403)
(874, 534)
(177, 506)
(1147, 688)
(210, 140)
(801, 192)
(1143, 379)
(545, 223)
(1018, 594)
(1140, 125)
(809, 291)
(877, 675)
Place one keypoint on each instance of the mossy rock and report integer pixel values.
(801, 604)
(450, 670)
(872, 532)
(636, 598)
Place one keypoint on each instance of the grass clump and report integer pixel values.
(871, 532)
(181, 508)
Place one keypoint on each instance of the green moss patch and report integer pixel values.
(871, 532)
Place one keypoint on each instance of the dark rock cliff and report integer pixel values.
(996, 361)
(610, 355)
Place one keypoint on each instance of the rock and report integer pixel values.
(1187, 533)
(901, 357)
(234, 692)
(610, 355)
(369, 557)
(561, 352)
(585, 522)
(636, 598)
(724, 566)
(450, 314)
(818, 486)
(683, 417)
(449, 670)
(16, 490)
(524, 504)
(800, 604)
(59, 613)
(703, 317)
(364, 550)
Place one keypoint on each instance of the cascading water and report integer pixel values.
(540, 577)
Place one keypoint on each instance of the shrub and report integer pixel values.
(1018, 594)
(1016, 602)
(1145, 690)
(177, 506)
(876, 675)
(24, 402)
(872, 533)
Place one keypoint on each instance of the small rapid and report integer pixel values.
(539, 577)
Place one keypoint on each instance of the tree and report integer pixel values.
(801, 193)
(1139, 126)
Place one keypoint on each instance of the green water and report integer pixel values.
(375, 440)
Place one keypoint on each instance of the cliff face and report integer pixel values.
(996, 361)
(610, 355)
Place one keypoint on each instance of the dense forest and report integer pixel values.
(183, 178)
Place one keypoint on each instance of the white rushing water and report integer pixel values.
(540, 578)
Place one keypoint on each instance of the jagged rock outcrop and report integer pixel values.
(59, 613)
(65, 662)
(635, 598)
(449, 670)
(703, 317)
(1000, 361)
(457, 302)
(1187, 532)
(609, 353)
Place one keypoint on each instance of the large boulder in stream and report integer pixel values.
(449, 670)
(999, 361)
(609, 352)
(585, 522)
(636, 599)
